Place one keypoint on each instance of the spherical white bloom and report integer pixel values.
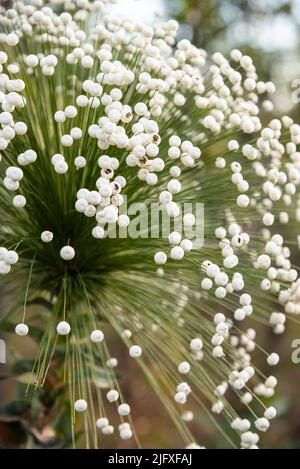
(184, 368)
(22, 329)
(46, 236)
(61, 167)
(108, 430)
(262, 424)
(180, 397)
(11, 257)
(174, 237)
(80, 162)
(196, 345)
(19, 201)
(76, 133)
(102, 422)
(264, 261)
(135, 351)
(126, 434)
(66, 140)
(123, 410)
(98, 232)
(63, 328)
(273, 359)
(20, 128)
(177, 253)
(97, 336)
(14, 173)
(67, 253)
(101, 115)
(160, 258)
(80, 405)
(189, 220)
(270, 413)
(112, 395)
(70, 112)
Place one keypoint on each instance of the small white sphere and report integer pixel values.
(180, 397)
(219, 318)
(273, 359)
(187, 416)
(76, 133)
(140, 109)
(184, 368)
(239, 314)
(61, 167)
(126, 433)
(71, 112)
(151, 179)
(102, 422)
(270, 413)
(12, 39)
(97, 336)
(20, 128)
(80, 162)
(82, 101)
(112, 395)
(186, 245)
(14, 173)
(221, 279)
(80, 405)
(47, 236)
(123, 410)
(174, 186)
(268, 219)
(177, 253)
(57, 158)
(174, 237)
(60, 117)
(31, 60)
(175, 171)
(19, 201)
(189, 220)
(11, 257)
(220, 163)
(135, 351)
(21, 329)
(174, 141)
(243, 201)
(98, 232)
(220, 232)
(123, 221)
(87, 61)
(108, 430)
(196, 345)
(160, 258)
(63, 328)
(67, 253)
(206, 283)
(264, 261)
(262, 424)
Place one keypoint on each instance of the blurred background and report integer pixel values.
(268, 30)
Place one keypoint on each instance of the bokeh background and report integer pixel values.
(269, 31)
